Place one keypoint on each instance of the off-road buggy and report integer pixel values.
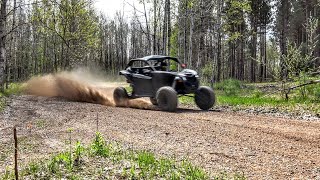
(158, 78)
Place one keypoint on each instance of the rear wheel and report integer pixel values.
(167, 99)
(153, 101)
(120, 96)
(204, 97)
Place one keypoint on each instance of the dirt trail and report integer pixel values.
(261, 147)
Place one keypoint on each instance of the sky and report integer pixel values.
(110, 7)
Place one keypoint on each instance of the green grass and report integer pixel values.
(13, 89)
(3, 102)
(41, 123)
(242, 96)
(248, 101)
(102, 160)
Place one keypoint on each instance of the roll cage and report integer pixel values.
(150, 63)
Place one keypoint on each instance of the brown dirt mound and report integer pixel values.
(71, 86)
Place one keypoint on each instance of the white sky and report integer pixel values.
(110, 7)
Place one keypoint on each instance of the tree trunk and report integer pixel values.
(148, 29)
(220, 5)
(285, 13)
(12, 45)
(155, 24)
(3, 20)
(164, 30)
(253, 53)
(190, 40)
(185, 31)
(169, 27)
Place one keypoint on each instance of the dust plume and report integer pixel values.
(82, 86)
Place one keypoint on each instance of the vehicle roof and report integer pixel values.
(157, 58)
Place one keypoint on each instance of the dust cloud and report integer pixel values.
(82, 86)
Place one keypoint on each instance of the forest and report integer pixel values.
(247, 40)
(65, 114)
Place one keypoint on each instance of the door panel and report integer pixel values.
(142, 85)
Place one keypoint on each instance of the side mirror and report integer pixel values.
(183, 65)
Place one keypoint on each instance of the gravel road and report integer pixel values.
(260, 147)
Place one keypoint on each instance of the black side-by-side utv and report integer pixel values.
(157, 77)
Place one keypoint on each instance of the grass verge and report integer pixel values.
(101, 160)
(238, 96)
(13, 89)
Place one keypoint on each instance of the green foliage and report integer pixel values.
(230, 87)
(303, 90)
(146, 159)
(274, 59)
(248, 100)
(234, 17)
(143, 165)
(132, 172)
(32, 169)
(299, 58)
(3, 103)
(75, 24)
(193, 172)
(53, 166)
(304, 93)
(249, 97)
(173, 66)
(98, 146)
(78, 151)
(65, 160)
(316, 92)
(257, 93)
(207, 72)
(174, 41)
(8, 175)
(40, 123)
(13, 89)
(165, 165)
(260, 12)
(226, 176)
(294, 61)
(190, 3)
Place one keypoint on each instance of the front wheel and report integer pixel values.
(167, 99)
(153, 101)
(205, 97)
(120, 97)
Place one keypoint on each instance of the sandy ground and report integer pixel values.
(260, 147)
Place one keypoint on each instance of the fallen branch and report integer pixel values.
(305, 84)
(287, 91)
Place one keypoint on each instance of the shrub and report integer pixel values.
(230, 87)
(13, 89)
(316, 93)
(207, 73)
(257, 94)
(99, 147)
